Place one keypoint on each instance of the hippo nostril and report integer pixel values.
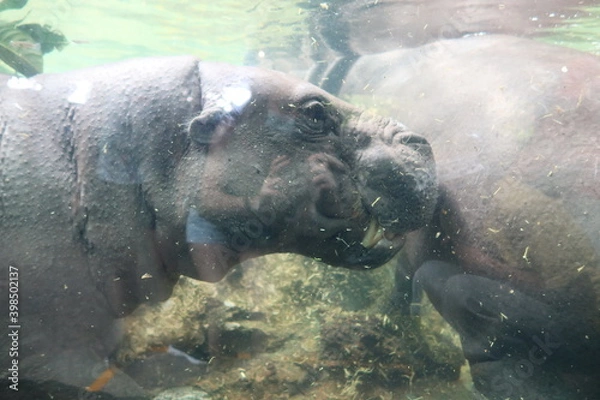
(410, 139)
(415, 142)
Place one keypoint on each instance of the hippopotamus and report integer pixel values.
(511, 258)
(116, 180)
(342, 31)
(374, 27)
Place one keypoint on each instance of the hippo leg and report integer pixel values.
(492, 318)
(336, 73)
(511, 340)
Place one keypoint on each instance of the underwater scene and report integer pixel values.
(344, 199)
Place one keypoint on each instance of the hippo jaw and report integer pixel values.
(395, 179)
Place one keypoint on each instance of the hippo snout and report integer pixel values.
(398, 181)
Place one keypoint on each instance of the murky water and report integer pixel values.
(288, 327)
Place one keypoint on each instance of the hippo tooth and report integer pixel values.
(373, 235)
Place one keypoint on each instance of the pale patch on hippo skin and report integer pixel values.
(234, 98)
(81, 93)
(116, 180)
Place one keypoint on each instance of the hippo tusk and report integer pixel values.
(373, 235)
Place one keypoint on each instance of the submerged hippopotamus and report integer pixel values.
(118, 179)
(373, 27)
(342, 31)
(512, 256)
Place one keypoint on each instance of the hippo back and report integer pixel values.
(66, 146)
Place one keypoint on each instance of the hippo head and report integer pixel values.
(286, 167)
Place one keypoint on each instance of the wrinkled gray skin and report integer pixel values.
(115, 180)
(512, 256)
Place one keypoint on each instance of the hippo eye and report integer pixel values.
(315, 117)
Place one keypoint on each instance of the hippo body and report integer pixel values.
(345, 30)
(116, 180)
(374, 27)
(512, 257)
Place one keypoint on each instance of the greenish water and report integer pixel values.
(102, 31)
(583, 34)
(107, 30)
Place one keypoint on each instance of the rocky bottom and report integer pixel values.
(283, 327)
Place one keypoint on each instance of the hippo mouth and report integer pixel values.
(397, 185)
(394, 191)
(373, 248)
(355, 242)
(376, 233)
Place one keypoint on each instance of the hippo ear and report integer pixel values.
(204, 129)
